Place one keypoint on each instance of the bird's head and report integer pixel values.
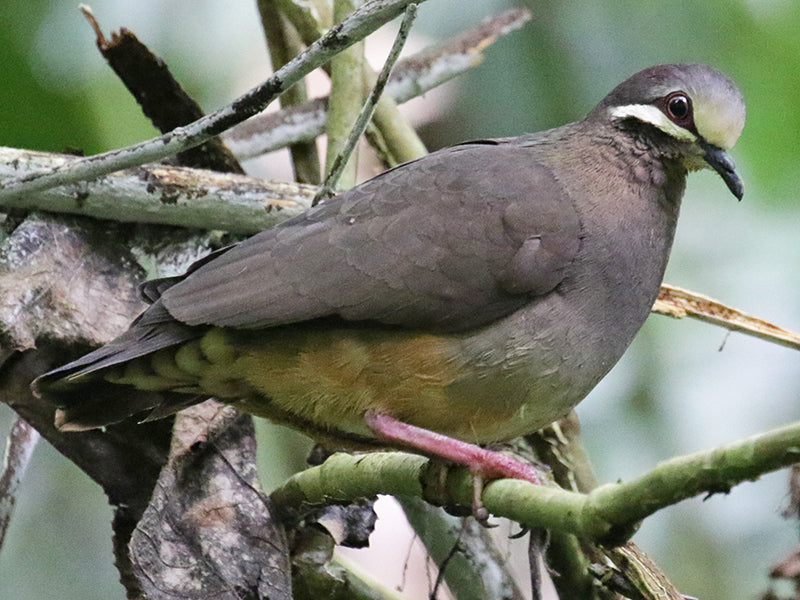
(693, 104)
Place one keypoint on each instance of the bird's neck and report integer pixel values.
(612, 159)
(630, 198)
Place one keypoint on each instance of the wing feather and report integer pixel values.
(448, 242)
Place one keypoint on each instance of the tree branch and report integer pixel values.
(318, 573)
(356, 27)
(398, 136)
(478, 569)
(679, 303)
(411, 77)
(161, 194)
(160, 96)
(239, 204)
(579, 564)
(208, 525)
(607, 514)
(346, 99)
(339, 165)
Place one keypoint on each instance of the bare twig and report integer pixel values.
(679, 303)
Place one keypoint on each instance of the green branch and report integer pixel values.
(341, 165)
(397, 135)
(607, 514)
(346, 99)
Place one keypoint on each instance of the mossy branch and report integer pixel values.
(608, 514)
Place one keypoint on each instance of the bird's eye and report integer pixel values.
(679, 107)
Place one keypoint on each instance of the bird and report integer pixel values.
(468, 297)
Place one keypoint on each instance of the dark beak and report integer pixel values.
(722, 164)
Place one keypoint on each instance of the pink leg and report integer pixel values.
(482, 463)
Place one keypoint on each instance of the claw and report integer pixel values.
(479, 511)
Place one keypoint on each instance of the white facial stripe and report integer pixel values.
(650, 114)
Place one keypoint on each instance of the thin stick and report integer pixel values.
(328, 186)
(679, 303)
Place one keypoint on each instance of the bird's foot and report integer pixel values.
(485, 465)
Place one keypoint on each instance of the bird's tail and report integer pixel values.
(97, 389)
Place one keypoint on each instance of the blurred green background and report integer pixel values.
(683, 386)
